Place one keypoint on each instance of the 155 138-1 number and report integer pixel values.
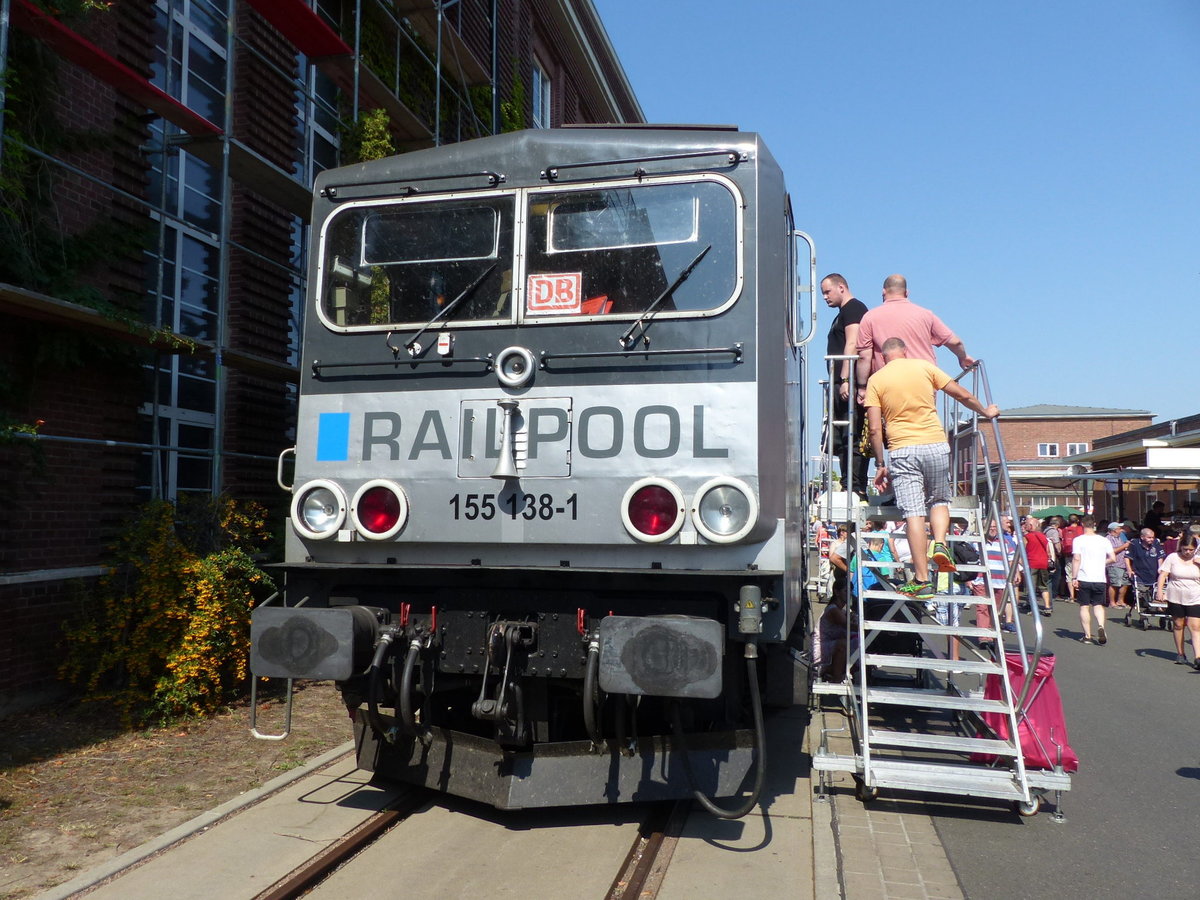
(528, 506)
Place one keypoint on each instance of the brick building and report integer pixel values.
(155, 175)
(1043, 442)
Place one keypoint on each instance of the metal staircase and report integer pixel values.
(915, 715)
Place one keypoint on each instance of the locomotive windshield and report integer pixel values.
(400, 263)
(589, 251)
(624, 246)
(430, 235)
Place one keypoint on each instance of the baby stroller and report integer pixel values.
(1144, 609)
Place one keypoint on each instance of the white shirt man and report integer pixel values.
(1091, 552)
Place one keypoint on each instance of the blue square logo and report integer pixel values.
(333, 437)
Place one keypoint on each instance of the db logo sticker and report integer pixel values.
(555, 294)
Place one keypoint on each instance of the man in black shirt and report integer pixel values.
(1144, 557)
(843, 341)
(1154, 519)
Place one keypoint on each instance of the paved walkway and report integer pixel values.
(885, 849)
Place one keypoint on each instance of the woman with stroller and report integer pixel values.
(1179, 586)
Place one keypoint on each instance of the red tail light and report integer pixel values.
(653, 510)
(379, 509)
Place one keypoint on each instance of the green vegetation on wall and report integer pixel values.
(369, 138)
(512, 110)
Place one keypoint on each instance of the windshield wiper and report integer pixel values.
(627, 338)
(412, 346)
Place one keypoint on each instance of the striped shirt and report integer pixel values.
(996, 562)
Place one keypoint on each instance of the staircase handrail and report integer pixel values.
(828, 385)
(983, 391)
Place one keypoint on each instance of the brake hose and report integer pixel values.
(760, 746)
(589, 694)
(407, 718)
(374, 688)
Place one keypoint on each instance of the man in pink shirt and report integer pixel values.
(899, 317)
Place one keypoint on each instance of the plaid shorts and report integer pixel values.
(920, 477)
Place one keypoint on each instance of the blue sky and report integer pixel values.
(1033, 168)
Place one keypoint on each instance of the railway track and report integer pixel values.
(302, 880)
(645, 866)
(638, 877)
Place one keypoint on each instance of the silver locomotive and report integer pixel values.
(547, 515)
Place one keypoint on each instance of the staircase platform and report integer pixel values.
(910, 727)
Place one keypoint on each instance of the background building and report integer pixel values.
(155, 174)
(1130, 471)
(1042, 443)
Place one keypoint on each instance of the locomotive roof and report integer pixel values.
(521, 156)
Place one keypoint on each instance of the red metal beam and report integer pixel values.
(79, 50)
(304, 28)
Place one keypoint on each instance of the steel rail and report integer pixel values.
(645, 865)
(304, 879)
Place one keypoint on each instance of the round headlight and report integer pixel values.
(318, 509)
(652, 510)
(379, 510)
(725, 510)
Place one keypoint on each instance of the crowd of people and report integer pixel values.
(1151, 568)
(1069, 561)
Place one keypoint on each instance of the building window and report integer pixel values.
(1047, 450)
(541, 96)
(189, 54)
(184, 272)
(317, 120)
(1072, 449)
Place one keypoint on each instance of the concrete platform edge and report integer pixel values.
(826, 880)
(826, 883)
(107, 870)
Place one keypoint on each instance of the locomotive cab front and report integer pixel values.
(546, 438)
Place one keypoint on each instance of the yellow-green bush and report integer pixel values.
(169, 632)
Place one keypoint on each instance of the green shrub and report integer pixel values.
(168, 633)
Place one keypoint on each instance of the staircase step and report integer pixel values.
(933, 698)
(939, 778)
(923, 628)
(831, 688)
(963, 599)
(982, 667)
(836, 762)
(882, 737)
(893, 513)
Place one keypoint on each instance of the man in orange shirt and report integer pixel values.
(903, 393)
